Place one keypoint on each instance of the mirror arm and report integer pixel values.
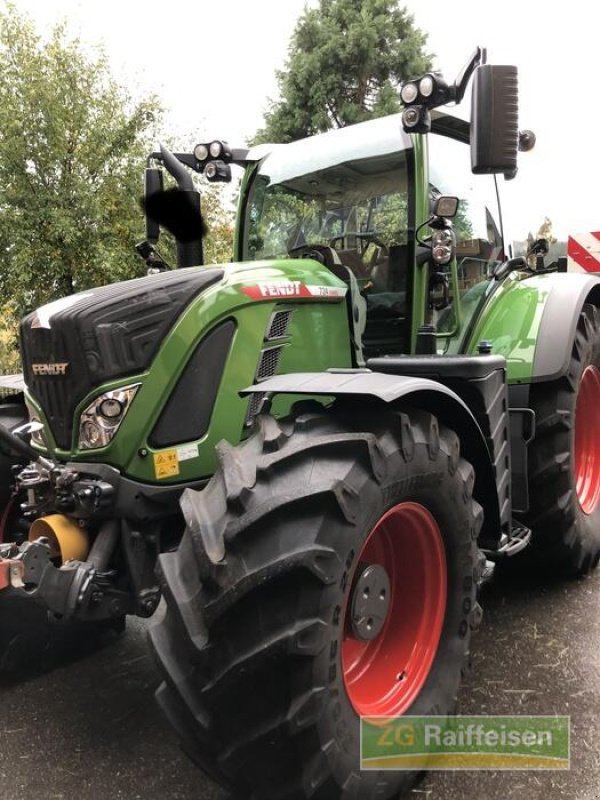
(462, 81)
(176, 169)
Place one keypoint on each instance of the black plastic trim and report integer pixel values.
(186, 414)
(133, 500)
(480, 382)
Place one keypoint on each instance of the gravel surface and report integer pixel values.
(89, 729)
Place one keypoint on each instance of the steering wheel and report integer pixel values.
(368, 237)
(318, 252)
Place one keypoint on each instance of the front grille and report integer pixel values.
(269, 363)
(278, 327)
(267, 367)
(254, 406)
(270, 358)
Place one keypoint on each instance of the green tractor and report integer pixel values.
(316, 454)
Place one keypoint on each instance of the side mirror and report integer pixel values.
(153, 184)
(494, 120)
(178, 211)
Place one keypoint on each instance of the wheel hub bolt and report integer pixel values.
(370, 602)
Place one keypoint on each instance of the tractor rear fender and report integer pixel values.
(419, 393)
(559, 321)
(531, 321)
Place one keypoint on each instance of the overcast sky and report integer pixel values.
(215, 73)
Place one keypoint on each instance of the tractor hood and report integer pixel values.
(82, 341)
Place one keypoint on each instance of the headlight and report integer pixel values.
(111, 408)
(101, 419)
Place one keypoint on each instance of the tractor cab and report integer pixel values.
(347, 200)
(357, 201)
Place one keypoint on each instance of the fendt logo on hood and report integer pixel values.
(59, 368)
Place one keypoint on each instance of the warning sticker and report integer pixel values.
(187, 451)
(166, 464)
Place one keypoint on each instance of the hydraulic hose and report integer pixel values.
(104, 545)
(21, 448)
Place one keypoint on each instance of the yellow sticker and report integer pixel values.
(166, 464)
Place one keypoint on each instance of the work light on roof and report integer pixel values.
(410, 118)
(218, 171)
(409, 93)
(201, 152)
(426, 86)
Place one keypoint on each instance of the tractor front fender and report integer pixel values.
(419, 393)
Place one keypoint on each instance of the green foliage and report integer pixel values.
(72, 148)
(9, 348)
(463, 227)
(345, 62)
(220, 220)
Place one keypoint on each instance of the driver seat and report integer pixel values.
(356, 303)
(352, 260)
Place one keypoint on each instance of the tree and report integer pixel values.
(73, 145)
(346, 60)
(72, 148)
(219, 216)
(9, 351)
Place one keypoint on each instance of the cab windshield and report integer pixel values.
(350, 191)
(358, 208)
(350, 195)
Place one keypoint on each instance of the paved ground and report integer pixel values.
(89, 729)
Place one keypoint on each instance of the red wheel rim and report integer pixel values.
(384, 676)
(587, 440)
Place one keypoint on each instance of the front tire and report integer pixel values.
(266, 667)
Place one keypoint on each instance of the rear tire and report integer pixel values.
(261, 682)
(564, 460)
